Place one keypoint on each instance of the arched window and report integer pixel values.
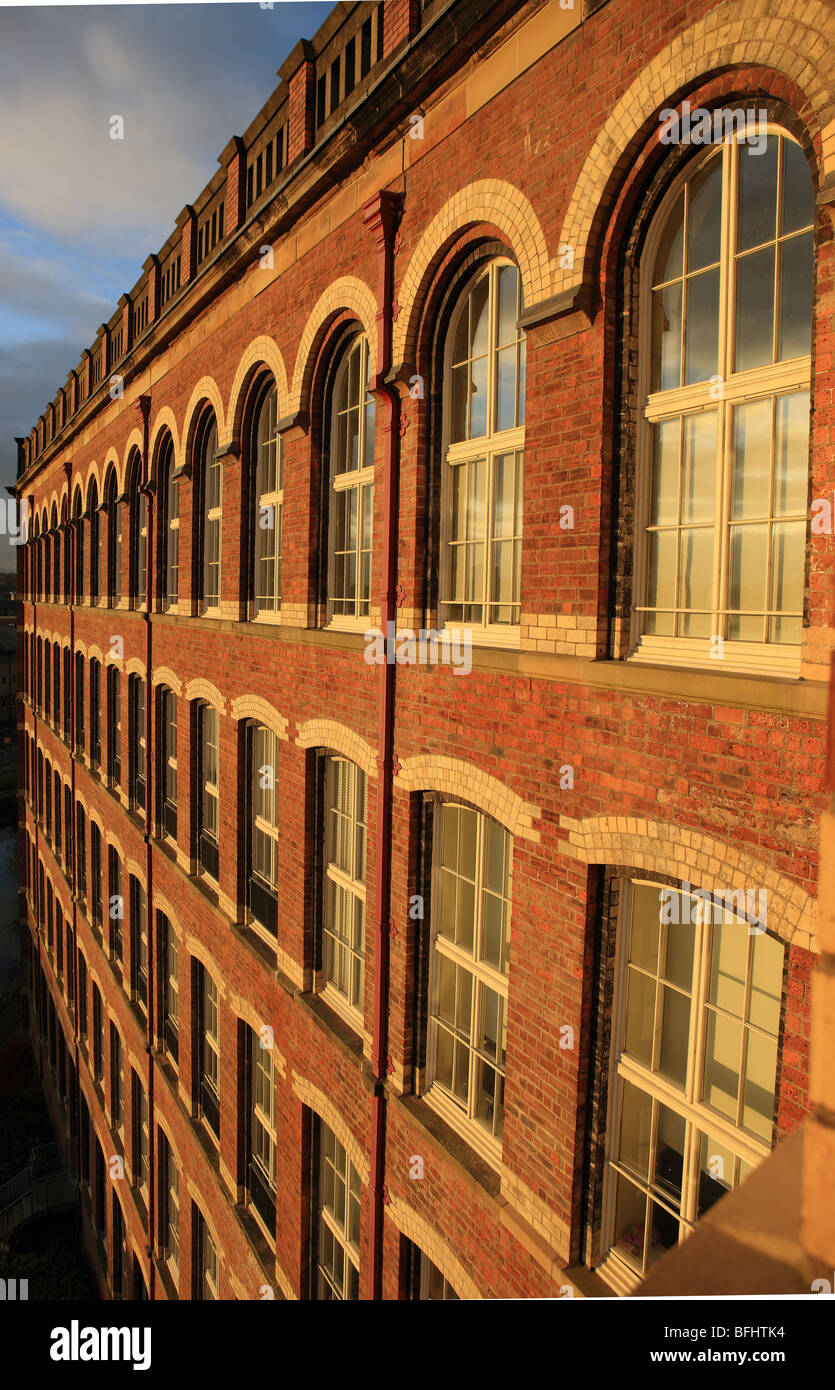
(726, 294)
(46, 543)
(484, 438)
(168, 761)
(343, 921)
(208, 789)
(168, 494)
(138, 503)
(56, 557)
(95, 544)
(113, 507)
(79, 584)
(694, 1063)
(210, 499)
(262, 826)
(470, 959)
(351, 511)
(67, 548)
(267, 473)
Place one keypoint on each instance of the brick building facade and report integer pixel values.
(360, 979)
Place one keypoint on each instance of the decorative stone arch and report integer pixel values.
(434, 1246)
(94, 817)
(317, 1101)
(801, 46)
(111, 460)
(134, 442)
(165, 422)
(54, 510)
(327, 733)
(95, 652)
(205, 1209)
(133, 868)
(488, 200)
(348, 292)
(261, 352)
(111, 658)
(165, 1125)
(201, 689)
(92, 476)
(195, 948)
(206, 391)
(432, 772)
(63, 499)
(80, 647)
(256, 708)
(689, 856)
(163, 675)
(81, 801)
(135, 667)
(112, 841)
(161, 904)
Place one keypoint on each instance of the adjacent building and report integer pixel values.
(427, 610)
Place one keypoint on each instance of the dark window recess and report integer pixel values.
(365, 48)
(171, 1037)
(261, 1195)
(320, 101)
(261, 902)
(209, 854)
(350, 60)
(210, 1107)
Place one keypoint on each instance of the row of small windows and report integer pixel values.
(697, 1008)
(334, 1186)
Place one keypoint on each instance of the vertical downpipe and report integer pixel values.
(380, 215)
(144, 406)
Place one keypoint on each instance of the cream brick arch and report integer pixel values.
(206, 391)
(132, 867)
(92, 476)
(261, 352)
(163, 675)
(317, 1101)
(257, 708)
(201, 689)
(79, 646)
(135, 667)
(326, 733)
(165, 422)
(161, 904)
(348, 292)
(432, 772)
(434, 1246)
(94, 651)
(134, 442)
(487, 200)
(195, 948)
(111, 460)
(689, 856)
(799, 44)
(113, 842)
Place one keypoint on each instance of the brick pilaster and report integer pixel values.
(299, 72)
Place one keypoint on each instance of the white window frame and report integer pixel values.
(259, 824)
(353, 888)
(464, 1122)
(211, 465)
(356, 479)
(486, 448)
(170, 1183)
(782, 378)
(168, 723)
(327, 1223)
(209, 791)
(267, 607)
(697, 1115)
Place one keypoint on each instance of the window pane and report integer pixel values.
(795, 328)
(666, 338)
(728, 965)
(798, 197)
(645, 926)
(757, 194)
(702, 327)
(722, 1058)
(752, 459)
(766, 982)
(748, 556)
(758, 1090)
(669, 1155)
(675, 1032)
(663, 506)
(698, 482)
(640, 1016)
(755, 310)
(635, 1130)
(668, 259)
(791, 463)
(704, 215)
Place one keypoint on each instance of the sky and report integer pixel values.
(79, 211)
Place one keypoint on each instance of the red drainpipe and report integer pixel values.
(381, 214)
(143, 405)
